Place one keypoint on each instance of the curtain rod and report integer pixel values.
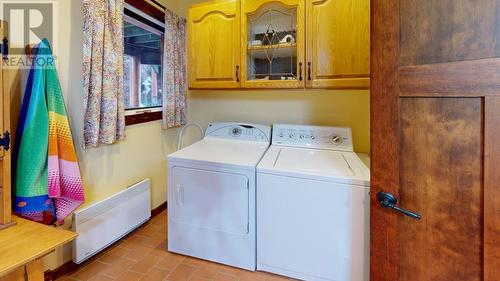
(159, 5)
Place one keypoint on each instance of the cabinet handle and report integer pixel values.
(179, 195)
(300, 71)
(237, 73)
(309, 71)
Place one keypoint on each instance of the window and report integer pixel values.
(143, 41)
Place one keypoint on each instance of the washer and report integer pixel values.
(211, 196)
(313, 205)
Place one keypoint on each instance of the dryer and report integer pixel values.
(211, 194)
(313, 206)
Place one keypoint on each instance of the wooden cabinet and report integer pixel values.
(338, 43)
(273, 43)
(214, 45)
(279, 44)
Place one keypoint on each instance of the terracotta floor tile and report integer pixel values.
(170, 262)
(130, 276)
(138, 253)
(64, 278)
(195, 278)
(143, 255)
(89, 271)
(137, 240)
(156, 274)
(206, 271)
(116, 269)
(100, 277)
(160, 251)
(253, 276)
(225, 277)
(113, 254)
(145, 264)
(229, 270)
(181, 273)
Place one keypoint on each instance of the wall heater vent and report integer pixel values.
(103, 223)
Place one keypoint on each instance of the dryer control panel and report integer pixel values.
(334, 138)
(239, 131)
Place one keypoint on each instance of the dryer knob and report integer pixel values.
(236, 132)
(336, 139)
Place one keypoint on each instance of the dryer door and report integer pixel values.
(210, 199)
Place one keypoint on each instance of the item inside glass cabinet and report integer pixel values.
(272, 48)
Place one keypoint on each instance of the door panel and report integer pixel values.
(338, 43)
(209, 199)
(435, 103)
(441, 159)
(214, 44)
(448, 30)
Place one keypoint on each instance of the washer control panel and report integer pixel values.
(239, 131)
(334, 138)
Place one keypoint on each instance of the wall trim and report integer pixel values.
(71, 267)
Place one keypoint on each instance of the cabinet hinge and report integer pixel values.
(4, 48)
(5, 141)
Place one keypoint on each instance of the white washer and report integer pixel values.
(211, 197)
(313, 206)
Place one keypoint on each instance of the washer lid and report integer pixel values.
(330, 165)
(222, 151)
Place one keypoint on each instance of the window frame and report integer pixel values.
(150, 13)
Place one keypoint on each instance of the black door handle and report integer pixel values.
(300, 71)
(388, 201)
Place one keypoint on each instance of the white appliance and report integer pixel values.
(211, 196)
(103, 223)
(313, 206)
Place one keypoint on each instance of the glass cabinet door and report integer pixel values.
(273, 44)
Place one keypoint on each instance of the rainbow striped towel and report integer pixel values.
(47, 181)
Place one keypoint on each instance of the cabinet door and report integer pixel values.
(273, 40)
(214, 45)
(338, 43)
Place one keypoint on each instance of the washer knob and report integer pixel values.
(336, 139)
(236, 131)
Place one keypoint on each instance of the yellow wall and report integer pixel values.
(108, 169)
(318, 107)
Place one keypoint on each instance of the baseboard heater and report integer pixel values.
(103, 223)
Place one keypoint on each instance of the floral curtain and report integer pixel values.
(103, 52)
(174, 71)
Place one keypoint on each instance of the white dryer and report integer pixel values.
(313, 206)
(211, 194)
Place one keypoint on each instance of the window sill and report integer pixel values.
(145, 117)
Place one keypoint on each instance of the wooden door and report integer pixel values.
(338, 43)
(5, 182)
(435, 101)
(214, 45)
(252, 12)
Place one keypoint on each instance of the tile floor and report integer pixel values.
(142, 255)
